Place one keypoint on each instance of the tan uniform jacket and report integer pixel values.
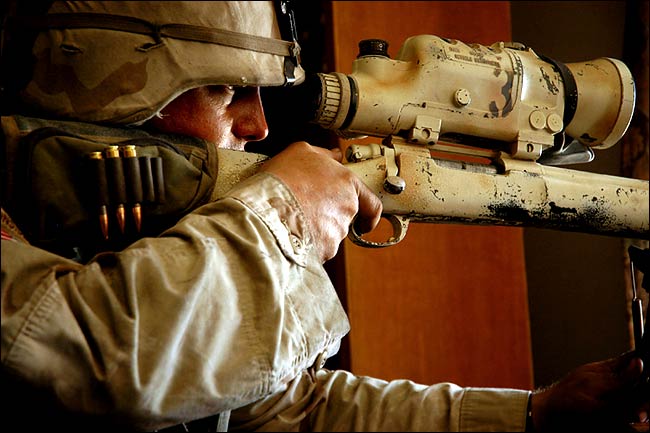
(228, 309)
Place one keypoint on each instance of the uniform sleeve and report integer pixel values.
(225, 308)
(324, 400)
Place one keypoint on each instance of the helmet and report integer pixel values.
(121, 62)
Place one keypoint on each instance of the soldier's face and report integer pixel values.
(227, 116)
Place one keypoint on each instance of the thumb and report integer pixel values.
(627, 368)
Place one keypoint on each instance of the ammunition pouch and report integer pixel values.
(60, 177)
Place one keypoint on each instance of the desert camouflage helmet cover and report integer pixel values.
(123, 61)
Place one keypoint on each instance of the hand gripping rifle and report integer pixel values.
(474, 134)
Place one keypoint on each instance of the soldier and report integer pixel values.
(132, 300)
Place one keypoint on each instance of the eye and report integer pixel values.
(222, 94)
(222, 89)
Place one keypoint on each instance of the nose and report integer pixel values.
(250, 123)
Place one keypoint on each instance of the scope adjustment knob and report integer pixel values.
(373, 47)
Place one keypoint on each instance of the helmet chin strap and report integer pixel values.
(158, 31)
(287, 23)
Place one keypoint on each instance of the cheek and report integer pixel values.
(211, 124)
(195, 115)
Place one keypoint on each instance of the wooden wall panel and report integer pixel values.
(449, 303)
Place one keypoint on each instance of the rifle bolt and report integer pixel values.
(394, 184)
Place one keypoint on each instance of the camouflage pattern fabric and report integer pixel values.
(87, 71)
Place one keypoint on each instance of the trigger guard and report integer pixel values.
(400, 226)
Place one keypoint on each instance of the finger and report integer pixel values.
(370, 209)
(627, 368)
(334, 153)
(338, 154)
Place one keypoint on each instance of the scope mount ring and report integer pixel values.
(400, 225)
